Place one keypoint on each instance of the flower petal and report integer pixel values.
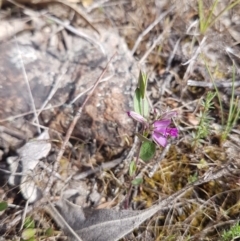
(160, 126)
(136, 116)
(172, 131)
(159, 139)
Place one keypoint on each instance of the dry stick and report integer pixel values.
(29, 112)
(211, 85)
(75, 31)
(71, 127)
(28, 86)
(157, 41)
(170, 59)
(192, 61)
(78, 12)
(97, 4)
(149, 28)
(52, 92)
(155, 167)
(12, 132)
(82, 93)
(24, 215)
(104, 166)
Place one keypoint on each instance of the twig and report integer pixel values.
(52, 92)
(49, 170)
(28, 86)
(71, 127)
(79, 13)
(24, 214)
(82, 93)
(218, 84)
(29, 112)
(104, 166)
(155, 167)
(12, 132)
(170, 59)
(75, 31)
(191, 61)
(97, 4)
(13, 174)
(149, 28)
(157, 41)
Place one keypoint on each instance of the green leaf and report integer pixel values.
(132, 168)
(137, 101)
(28, 233)
(147, 150)
(140, 105)
(29, 223)
(137, 181)
(49, 232)
(3, 205)
(142, 83)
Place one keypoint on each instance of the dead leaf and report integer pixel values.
(100, 224)
(29, 156)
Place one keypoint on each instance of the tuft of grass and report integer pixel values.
(234, 111)
(232, 233)
(204, 119)
(207, 20)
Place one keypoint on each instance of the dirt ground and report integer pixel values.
(68, 72)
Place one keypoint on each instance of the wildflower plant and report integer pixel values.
(232, 234)
(153, 133)
(207, 17)
(204, 118)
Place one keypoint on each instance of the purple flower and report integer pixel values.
(161, 130)
(137, 117)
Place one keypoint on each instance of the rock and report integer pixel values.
(104, 117)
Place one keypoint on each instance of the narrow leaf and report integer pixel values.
(137, 101)
(142, 83)
(140, 105)
(3, 205)
(29, 223)
(132, 168)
